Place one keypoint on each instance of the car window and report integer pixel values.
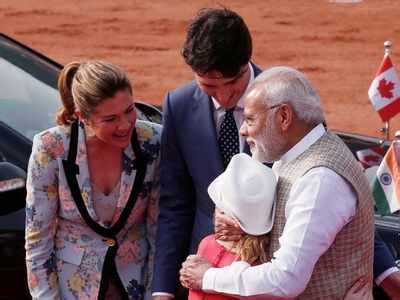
(27, 104)
(28, 88)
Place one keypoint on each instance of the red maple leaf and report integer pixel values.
(385, 88)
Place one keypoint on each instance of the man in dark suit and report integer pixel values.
(200, 135)
(386, 273)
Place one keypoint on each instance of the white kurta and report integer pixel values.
(320, 204)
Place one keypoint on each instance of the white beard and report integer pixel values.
(269, 145)
(258, 154)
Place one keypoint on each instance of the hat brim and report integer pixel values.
(266, 229)
(214, 191)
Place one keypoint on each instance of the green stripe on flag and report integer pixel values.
(380, 198)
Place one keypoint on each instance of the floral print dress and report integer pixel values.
(104, 206)
(64, 256)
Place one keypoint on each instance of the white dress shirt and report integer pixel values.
(320, 204)
(219, 114)
(385, 274)
(238, 114)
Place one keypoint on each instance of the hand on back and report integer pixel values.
(361, 290)
(226, 228)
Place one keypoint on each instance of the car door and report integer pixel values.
(28, 101)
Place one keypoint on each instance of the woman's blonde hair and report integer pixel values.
(253, 249)
(84, 85)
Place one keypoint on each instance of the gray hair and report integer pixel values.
(282, 84)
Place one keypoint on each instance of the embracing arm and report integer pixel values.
(176, 215)
(41, 213)
(311, 226)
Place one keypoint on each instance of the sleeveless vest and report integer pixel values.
(351, 253)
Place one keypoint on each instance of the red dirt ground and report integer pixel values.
(338, 45)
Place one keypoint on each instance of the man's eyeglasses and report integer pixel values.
(274, 106)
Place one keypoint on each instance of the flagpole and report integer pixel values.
(387, 45)
(386, 130)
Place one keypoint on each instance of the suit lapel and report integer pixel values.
(127, 179)
(77, 177)
(205, 143)
(204, 125)
(83, 177)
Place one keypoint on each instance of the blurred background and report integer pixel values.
(338, 45)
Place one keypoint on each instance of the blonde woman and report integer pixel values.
(92, 192)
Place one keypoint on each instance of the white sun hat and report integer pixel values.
(246, 191)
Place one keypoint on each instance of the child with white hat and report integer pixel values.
(246, 192)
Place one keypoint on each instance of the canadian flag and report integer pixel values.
(384, 91)
(371, 156)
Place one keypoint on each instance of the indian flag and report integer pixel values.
(384, 91)
(386, 187)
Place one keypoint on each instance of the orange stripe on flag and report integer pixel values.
(392, 164)
(389, 110)
(385, 64)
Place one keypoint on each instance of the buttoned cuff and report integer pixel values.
(163, 294)
(227, 277)
(382, 277)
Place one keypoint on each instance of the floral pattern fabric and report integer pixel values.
(64, 256)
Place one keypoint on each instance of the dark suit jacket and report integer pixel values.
(190, 160)
(383, 259)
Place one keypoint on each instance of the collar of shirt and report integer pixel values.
(240, 103)
(300, 147)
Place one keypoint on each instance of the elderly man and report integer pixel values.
(323, 233)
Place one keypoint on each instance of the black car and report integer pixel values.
(28, 102)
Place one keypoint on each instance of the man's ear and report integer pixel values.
(286, 116)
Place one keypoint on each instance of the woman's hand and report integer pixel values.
(361, 290)
(226, 228)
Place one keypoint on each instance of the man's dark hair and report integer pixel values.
(217, 40)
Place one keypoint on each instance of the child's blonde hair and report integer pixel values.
(253, 248)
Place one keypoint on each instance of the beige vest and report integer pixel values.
(351, 254)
